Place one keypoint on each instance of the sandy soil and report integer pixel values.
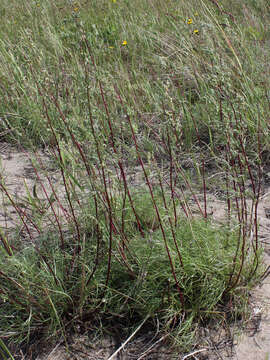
(252, 343)
(18, 177)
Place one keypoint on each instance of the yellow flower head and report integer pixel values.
(76, 9)
(124, 42)
(189, 21)
(196, 31)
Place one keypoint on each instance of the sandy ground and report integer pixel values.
(252, 343)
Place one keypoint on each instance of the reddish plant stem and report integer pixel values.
(242, 191)
(98, 245)
(123, 213)
(48, 199)
(247, 165)
(120, 163)
(64, 211)
(107, 198)
(184, 204)
(6, 245)
(203, 166)
(190, 188)
(232, 286)
(227, 190)
(171, 178)
(170, 221)
(62, 170)
(59, 154)
(231, 165)
(155, 205)
(260, 174)
(20, 212)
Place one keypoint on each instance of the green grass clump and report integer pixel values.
(176, 93)
(47, 286)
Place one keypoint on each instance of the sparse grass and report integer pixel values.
(168, 90)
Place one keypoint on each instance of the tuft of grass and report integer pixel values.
(117, 267)
(42, 289)
(144, 112)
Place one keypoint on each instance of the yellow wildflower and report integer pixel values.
(189, 21)
(76, 9)
(124, 42)
(196, 31)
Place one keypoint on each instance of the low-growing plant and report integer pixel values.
(45, 286)
(143, 114)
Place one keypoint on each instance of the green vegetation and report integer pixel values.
(145, 109)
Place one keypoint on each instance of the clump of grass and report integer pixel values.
(169, 93)
(43, 288)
